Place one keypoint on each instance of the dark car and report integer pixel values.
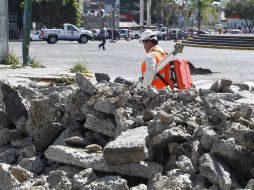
(116, 34)
(181, 34)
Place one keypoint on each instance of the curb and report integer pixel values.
(217, 47)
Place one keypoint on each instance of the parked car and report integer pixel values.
(35, 36)
(162, 33)
(180, 36)
(125, 34)
(116, 34)
(233, 31)
(137, 33)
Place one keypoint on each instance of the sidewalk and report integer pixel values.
(28, 72)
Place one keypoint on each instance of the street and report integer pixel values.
(124, 58)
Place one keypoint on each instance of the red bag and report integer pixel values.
(180, 74)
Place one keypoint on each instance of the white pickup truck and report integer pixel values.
(70, 33)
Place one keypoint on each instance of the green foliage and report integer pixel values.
(34, 63)
(53, 13)
(79, 67)
(244, 9)
(11, 59)
(64, 81)
(205, 7)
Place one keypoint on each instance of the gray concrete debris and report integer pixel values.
(250, 184)
(121, 80)
(184, 163)
(123, 120)
(209, 138)
(5, 122)
(166, 117)
(76, 141)
(139, 187)
(85, 85)
(4, 136)
(43, 131)
(174, 134)
(29, 151)
(215, 172)
(107, 182)
(102, 77)
(83, 178)
(78, 157)
(179, 179)
(34, 164)
(93, 148)
(222, 85)
(8, 181)
(106, 106)
(103, 126)
(128, 147)
(59, 180)
(173, 181)
(108, 135)
(233, 155)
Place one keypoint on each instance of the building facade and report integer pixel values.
(97, 12)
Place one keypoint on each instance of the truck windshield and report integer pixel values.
(72, 28)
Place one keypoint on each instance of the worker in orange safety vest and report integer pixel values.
(154, 55)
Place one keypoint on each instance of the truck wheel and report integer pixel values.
(136, 36)
(52, 39)
(117, 38)
(83, 39)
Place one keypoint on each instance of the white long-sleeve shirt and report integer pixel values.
(150, 69)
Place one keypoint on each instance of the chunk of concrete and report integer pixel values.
(85, 85)
(83, 178)
(103, 126)
(129, 147)
(80, 158)
(215, 172)
(107, 182)
(8, 181)
(174, 134)
(106, 106)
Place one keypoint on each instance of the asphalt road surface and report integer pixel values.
(124, 58)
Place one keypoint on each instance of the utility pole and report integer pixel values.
(26, 30)
(141, 12)
(148, 9)
(4, 29)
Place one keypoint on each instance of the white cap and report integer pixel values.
(148, 35)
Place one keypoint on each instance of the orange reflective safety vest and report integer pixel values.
(159, 54)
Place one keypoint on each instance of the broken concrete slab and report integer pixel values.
(85, 85)
(103, 126)
(211, 168)
(174, 134)
(128, 147)
(80, 158)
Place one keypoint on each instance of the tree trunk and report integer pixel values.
(199, 19)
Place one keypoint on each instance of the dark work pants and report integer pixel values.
(103, 43)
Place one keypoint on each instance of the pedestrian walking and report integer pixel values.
(103, 35)
(154, 55)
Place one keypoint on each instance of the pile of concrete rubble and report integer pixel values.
(114, 136)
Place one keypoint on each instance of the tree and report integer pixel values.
(53, 13)
(205, 8)
(245, 10)
(166, 11)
